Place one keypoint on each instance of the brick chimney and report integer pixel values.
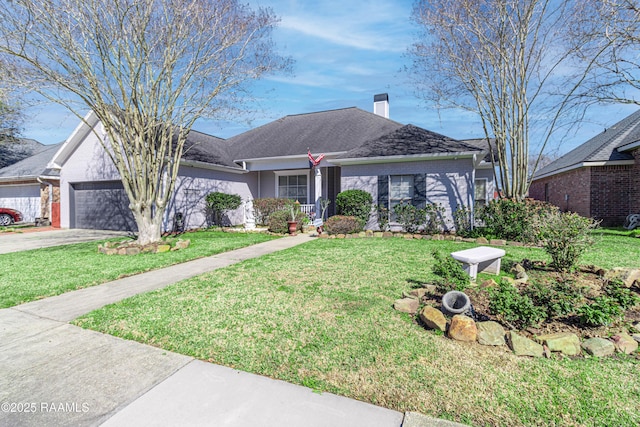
(381, 105)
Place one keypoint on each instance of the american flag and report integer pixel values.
(313, 162)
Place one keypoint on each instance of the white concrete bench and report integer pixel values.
(480, 259)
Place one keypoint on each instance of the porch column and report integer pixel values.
(318, 191)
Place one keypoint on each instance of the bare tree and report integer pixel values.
(147, 68)
(506, 61)
(613, 28)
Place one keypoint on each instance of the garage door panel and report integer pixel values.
(102, 206)
(24, 198)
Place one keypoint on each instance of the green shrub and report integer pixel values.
(558, 299)
(220, 203)
(624, 297)
(340, 224)
(383, 217)
(434, 223)
(453, 277)
(566, 236)
(264, 207)
(603, 311)
(410, 217)
(512, 220)
(463, 221)
(355, 203)
(515, 308)
(278, 221)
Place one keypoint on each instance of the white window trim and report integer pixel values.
(290, 173)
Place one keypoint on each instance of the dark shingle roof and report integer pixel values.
(13, 151)
(322, 132)
(201, 147)
(35, 165)
(409, 140)
(602, 147)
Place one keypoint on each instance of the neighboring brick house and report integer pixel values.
(598, 179)
(362, 150)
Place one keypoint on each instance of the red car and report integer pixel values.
(9, 216)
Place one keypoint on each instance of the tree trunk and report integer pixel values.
(149, 226)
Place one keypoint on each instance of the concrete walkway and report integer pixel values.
(35, 238)
(56, 374)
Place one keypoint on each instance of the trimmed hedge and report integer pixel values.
(340, 224)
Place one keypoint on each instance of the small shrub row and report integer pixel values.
(428, 219)
(513, 220)
(341, 224)
(264, 207)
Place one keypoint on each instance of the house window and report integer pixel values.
(294, 187)
(546, 192)
(400, 190)
(480, 195)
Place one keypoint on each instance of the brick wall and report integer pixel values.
(610, 186)
(634, 184)
(569, 191)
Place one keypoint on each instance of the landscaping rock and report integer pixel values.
(418, 293)
(163, 248)
(324, 236)
(522, 346)
(489, 284)
(433, 318)
(637, 327)
(497, 242)
(132, 251)
(387, 234)
(521, 274)
(437, 237)
(482, 240)
(628, 276)
(378, 234)
(368, 233)
(490, 333)
(598, 347)
(340, 236)
(406, 305)
(636, 337)
(463, 328)
(624, 343)
(564, 342)
(182, 244)
(512, 243)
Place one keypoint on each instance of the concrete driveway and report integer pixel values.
(22, 241)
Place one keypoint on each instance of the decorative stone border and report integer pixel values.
(409, 236)
(127, 247)
(463, 328)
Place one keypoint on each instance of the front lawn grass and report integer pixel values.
(29, 275)
(321, 315)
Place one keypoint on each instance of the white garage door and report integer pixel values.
(24, 198)
(101, 205)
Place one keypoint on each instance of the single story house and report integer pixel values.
(362, 150)
(598, 179)
(30, 187)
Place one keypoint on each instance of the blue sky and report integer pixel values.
(345, 52)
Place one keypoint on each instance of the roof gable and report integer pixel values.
(600, 148)
(322, 132)
(410, 140)
(32, 166)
